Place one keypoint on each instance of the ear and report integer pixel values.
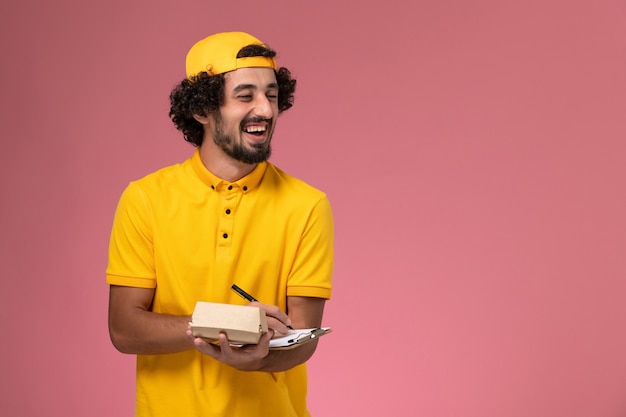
(202, 119)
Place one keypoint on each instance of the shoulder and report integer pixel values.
(160, 188)
(165, 174)
(287, 185)
(163, 181)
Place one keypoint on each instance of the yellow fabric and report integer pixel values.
(217, 54)
(168, 234)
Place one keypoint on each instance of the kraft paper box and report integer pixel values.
(241, 324)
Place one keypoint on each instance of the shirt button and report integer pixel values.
(227, 211)
(245, 188)
(230, 187)
(225, 235)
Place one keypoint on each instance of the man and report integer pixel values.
(225, 216)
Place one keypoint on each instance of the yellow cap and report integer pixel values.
(217, 54)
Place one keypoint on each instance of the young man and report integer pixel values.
(225, 216)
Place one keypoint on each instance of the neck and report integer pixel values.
(222, 165)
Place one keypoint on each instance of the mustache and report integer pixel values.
(256, 120)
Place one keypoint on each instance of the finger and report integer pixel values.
(277, 326)
(279, 315)
(261, 349)
(191, 336)
(207, 348)
(224, 344)
(274, 312)
(267, 337)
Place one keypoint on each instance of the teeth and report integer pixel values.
(254, 129)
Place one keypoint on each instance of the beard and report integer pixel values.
(258, 152)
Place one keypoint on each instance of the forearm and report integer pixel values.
(283, 360)
(305, 313)
(135, 329)
(147, 333)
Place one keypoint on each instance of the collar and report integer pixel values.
(246, 184)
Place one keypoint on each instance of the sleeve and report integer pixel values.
(131, 254)
(311, 274)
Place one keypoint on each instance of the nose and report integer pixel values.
(263, 107)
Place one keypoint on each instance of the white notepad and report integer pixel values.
(298, 337)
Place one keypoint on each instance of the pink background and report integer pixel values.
(473, 151)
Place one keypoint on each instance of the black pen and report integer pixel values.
(243, 293)
(247, 296)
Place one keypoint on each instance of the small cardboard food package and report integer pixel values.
(241, 324)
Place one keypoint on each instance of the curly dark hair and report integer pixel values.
(203, 94)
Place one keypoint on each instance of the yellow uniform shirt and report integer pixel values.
(192, 235)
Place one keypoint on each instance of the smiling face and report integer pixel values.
(243, 126)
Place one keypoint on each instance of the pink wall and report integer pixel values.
(473, 151)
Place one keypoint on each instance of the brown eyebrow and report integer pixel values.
(241, 87)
